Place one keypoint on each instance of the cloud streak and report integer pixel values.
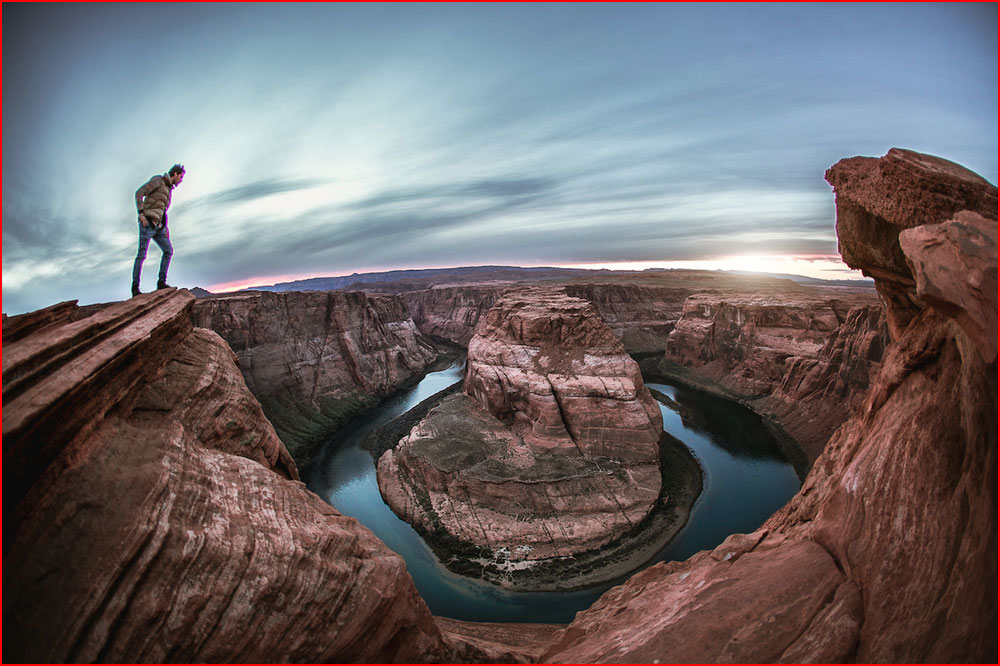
(335, 138)
(251, 192)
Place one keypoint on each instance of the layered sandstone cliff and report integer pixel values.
(451, 313)
(552, 451)
(640, 315)
(314, 359)
(805, 357)
(888, 552)
(149, 514)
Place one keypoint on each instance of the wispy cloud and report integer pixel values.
(251, 192)
(333, 138)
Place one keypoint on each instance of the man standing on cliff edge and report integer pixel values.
(152, 201)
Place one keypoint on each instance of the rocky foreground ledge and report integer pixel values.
(549, 455)
(152, 514)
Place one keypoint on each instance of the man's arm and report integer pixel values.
(141, 193)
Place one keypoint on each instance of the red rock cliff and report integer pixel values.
(451, 312)
(149, 516)
(314, 359)
(805, 356)
(640, 309)
(888, 553)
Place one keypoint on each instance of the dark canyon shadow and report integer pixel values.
(730, 425)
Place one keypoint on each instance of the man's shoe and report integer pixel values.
(135, 290)
(162, 284)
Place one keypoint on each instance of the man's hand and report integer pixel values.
(142, 220)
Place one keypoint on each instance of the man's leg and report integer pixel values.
(145, 233)
(162, 238)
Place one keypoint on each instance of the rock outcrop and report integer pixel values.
(451, 313)
(804, 358)
(547, 361)
(314, 359)
(642, 316)
(551, 452)
(149, 515)
(888, 552)
(868, 232)
(641, 310)
(748, 601)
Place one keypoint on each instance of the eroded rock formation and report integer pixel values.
(452, 312)
(870, 215)
(888, 552)
(551, 452)
(149, 514)
(152, 514)
(805, 357)
(641, 310)
(640, 315)
(314, 359)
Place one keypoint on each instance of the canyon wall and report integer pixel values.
(640, 312)
(802, 355)
(804, 358)
(314, 359)
(640, 315)
(152, 514)
(888, 552)
(551, 452)
(451, 313)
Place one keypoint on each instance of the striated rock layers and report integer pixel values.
(888, 552)
(314, 359)
(640, 315)
(552, 451)
(151, 513)
(452, 313)
(806, 357)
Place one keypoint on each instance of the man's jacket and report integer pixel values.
(153, 199)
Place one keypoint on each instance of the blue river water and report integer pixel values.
(745, 480)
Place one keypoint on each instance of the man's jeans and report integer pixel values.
(161, 236)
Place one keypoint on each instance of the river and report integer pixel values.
(745, 480)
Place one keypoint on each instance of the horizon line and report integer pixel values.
(754, 264)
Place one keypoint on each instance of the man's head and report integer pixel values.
(176, 174)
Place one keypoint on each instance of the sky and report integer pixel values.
(327, 139)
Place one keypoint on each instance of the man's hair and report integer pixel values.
(176, 169)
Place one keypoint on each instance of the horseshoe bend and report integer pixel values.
(550, 453)
(154, 451)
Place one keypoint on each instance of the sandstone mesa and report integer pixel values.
(552, 450)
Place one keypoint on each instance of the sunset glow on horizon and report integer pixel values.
(823, 267)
